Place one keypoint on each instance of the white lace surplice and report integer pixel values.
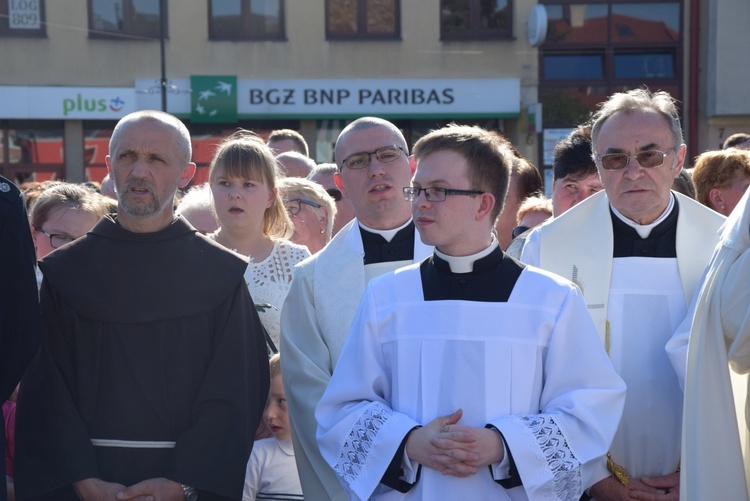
(515, 365)
(269, 282)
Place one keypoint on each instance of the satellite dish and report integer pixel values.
(536, 25)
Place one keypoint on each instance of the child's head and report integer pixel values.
(244, 155)
(276, 415)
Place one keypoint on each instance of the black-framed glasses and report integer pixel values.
(295, 205)
(386, 155)
(647, 159)
(335, 194)
(56, 240)
(436, 194)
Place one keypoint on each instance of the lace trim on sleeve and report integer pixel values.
(560, 459)
(358, 445)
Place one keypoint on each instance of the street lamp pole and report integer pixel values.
(162, 37)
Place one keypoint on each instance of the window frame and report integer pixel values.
(475, 33)
(362, 34)
(608, 50)
(7, 32)
(245, 13)
(127, 33)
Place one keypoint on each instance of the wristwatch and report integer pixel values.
(190, 493)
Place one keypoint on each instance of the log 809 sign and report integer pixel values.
(24, 14)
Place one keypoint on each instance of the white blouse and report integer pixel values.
(269, 281)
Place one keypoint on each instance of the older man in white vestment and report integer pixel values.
(374, 165)
(637, 250)
(715, 424)
(461, 376)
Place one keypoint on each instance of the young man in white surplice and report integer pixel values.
(461, 375)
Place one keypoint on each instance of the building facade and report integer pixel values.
(72, 69)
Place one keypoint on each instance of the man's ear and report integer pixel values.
(186, 176)
(338, 181)
(487, 203)
(108, 161)
(680, 153)
(412, 164)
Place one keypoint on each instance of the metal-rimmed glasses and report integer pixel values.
(56, 240)
(647, 159)
(294, 205)
(385, 155)
(436, 194)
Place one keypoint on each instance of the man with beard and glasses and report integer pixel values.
(152, 375)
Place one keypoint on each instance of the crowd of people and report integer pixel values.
(405, 323)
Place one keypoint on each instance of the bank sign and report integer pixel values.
(340, 98)
(392, 98)
(66, 102)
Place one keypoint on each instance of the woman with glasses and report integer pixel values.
(63, 213)
(312, 211)
(254, 222)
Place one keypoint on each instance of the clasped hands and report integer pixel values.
(454, 449)
(154, 489)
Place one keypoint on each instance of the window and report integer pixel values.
(363, 19)
(475, 19)
(573, 66)
(31, 150)
(576, 23)
(246, 20)
(130, 19)
(595, 49)
(22, 18)
(645, 66)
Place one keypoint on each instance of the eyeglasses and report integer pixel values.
(647, 159)
(361, 159)
(56, 240)
(294, 206)
(435, 194)
(335, 194)
(518, 230)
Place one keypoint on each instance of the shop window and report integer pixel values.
(246, 20)
(363, 19)
(31, 150)
(22, 18)
(124, 19)
(475, 19)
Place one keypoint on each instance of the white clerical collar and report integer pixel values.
(644, 230)
(465, 264)
(387, 234)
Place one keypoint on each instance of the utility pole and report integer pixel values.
(162, 39)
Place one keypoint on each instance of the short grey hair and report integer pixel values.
(322, 169)
(638, 100)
